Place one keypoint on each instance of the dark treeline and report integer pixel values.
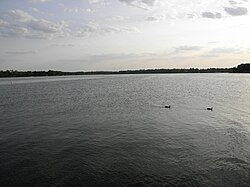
(242, 68)
(190, 70)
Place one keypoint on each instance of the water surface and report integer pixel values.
(115, 131)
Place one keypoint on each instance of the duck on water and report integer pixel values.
(210, 108)
(169, 106)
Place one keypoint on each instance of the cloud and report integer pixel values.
(12, 31)
(3, 23)
(89, 10)
(39, 1)
(46, 26)
(21, 52)
(143, 4)
(224, 50)
(211, 15)
(35, 10)
(94, 1)
(107, 60)
(100, 2)
(236, 11)
(119, 56)
(152, 18)
(232, 2)
(20, 15)
(79, 10)
(191, 16)
(94, 28)
(187, 48)
(157, 17)
(117, 18)
(216, 52)
(38, 36)
(111, 29)
(22, 24)
(87, 29)
(64, 45)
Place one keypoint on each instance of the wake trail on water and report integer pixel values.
(178, 107)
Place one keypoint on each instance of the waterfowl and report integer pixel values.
(210, 108)
(168, 106)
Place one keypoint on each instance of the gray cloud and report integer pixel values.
(110, 29)
(157, 17)
(87, 29)
(109, 57)
(45, 26)
(78, 10)
(117, 18)
(39, 1)
(224, 50)
(110, 61)
(22, 24)
(143, 4)
(38, 36)
(112, 57)
(152, 18)
(236, 11)
(187, 48)
(232, 2)
(20, 52)
(211, 15)
(190, 16)
(64, 45)
(94, 28)
(19, 15)
(213, 42)
(216, 52)
(94, 1)
(3, 23)
(12, 31)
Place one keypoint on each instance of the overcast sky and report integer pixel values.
(72, 35)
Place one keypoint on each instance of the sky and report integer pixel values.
(89, 35)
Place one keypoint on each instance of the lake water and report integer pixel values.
(115, 131)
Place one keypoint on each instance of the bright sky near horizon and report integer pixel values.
(84, 35)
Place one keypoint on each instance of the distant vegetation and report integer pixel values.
(242, 68)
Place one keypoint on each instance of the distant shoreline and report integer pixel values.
(242, 68)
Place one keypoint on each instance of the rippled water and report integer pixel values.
(115, 131)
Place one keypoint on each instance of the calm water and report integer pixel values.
(115, 131)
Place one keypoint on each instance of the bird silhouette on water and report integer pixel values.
(210, 108)
(168, 106)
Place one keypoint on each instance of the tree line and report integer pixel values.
(242, 68)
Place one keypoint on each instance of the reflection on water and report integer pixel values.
(115, 131)
(25, 80)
